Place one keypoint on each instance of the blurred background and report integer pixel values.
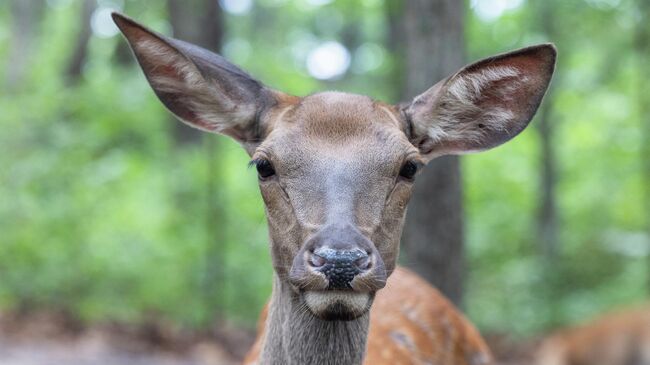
(124, 233)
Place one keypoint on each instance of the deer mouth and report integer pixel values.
(337, 305)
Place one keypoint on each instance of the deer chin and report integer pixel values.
(337, 305)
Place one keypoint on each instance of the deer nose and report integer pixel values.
(340, 266)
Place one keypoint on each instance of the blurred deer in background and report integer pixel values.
(336, 171)
(620, 338)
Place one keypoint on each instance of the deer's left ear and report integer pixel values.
(483, 105)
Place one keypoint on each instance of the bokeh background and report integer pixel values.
(113, 212)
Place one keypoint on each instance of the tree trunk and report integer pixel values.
(199, 22)
(395, 40)
(643, 55)
(25, 22)
(547, 219)
(122, 54)
(433, 234)
(80, 52)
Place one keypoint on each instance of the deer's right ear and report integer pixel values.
(201, 88)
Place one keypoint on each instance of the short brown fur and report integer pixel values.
(336, 172)
(410, 326)
(618, 338)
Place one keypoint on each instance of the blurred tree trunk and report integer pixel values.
(433, 235)
(395, 43)
(547, 219)
(80, 52)
(547, 225)
(643, 55)
(26, 16)
(351, 36)
(122, 55)
(199, 22)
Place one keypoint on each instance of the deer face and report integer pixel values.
(335, 169)
(336, 172)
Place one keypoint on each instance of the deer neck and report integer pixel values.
(295, 337)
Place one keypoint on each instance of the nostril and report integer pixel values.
(316, 261)
(363, 263)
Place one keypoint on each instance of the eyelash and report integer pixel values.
(408, 170)
(254, 162)
(264, 168)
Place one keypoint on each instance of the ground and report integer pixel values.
(52, 339)
(46, 338)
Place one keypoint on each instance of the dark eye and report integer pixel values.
(264, 168)
(408, 171)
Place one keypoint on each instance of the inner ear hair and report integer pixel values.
(476, 103)
(201, 88)
(483, 105)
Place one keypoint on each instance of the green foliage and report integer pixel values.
(102, 214)
(604, 244)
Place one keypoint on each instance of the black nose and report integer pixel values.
(340, 266)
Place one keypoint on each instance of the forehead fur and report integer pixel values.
(336, 125)
(334, 116)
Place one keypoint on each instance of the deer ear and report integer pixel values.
(199, 87)
(483, 105)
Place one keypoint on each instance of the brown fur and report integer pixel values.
(619, 338)
(335, 160)
(411, 323)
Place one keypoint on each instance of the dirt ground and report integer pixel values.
(57, 339)
(53, 339)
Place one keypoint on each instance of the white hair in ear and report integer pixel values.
(483, 105)
(462, 101)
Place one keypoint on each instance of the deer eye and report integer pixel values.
(264, 168)
(408, 170)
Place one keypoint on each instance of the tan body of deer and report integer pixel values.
(619, 338)
(336, 172)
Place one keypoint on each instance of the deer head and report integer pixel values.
(336, 170)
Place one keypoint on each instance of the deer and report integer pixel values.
(618, 338)
(335, 172)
